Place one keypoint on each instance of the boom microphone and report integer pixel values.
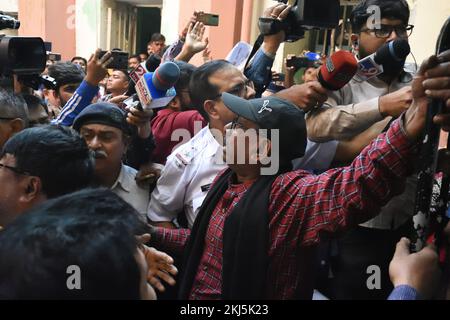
(338, 70)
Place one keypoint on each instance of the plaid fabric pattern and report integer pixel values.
(302, 206)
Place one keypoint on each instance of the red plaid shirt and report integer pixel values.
(302, 206)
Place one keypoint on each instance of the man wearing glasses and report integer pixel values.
(356, 108)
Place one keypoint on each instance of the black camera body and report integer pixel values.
(304, 15)
(25, 57)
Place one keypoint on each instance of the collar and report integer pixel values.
(123, 180)
(211, 144)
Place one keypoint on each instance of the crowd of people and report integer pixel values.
(116, 191)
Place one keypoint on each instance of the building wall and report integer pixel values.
(428, 16)
(227, 34)
(170, 20)
(52, 20)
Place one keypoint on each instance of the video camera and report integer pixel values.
(304, 15)
(25, 57)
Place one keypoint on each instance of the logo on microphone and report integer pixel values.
(330, 65)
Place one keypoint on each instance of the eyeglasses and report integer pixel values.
(15, 170)
(385, 31)
(240, 90)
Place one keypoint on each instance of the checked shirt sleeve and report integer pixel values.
(170, 240)
(344, 197)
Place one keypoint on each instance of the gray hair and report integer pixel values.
(13, 106)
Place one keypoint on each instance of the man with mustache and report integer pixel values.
(105, 129)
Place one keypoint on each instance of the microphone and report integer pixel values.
(388, 59)
(338, 70)
(156, 89)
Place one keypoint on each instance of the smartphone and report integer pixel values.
(53, 56)
(208, 19)
(120, 60)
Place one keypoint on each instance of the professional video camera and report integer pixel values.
(21, 56)
(304, 15)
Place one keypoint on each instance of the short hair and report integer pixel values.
(125, 73)
(65, 73)
(34, 102)
(79, 58)
(56, 154)
(201, 89)
(135, 56)
(390, 9)
(93, 229)
(157, 37)
(186, 71)
(13, 106)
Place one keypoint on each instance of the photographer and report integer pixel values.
(304, 96)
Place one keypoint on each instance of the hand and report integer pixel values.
(140, 119)
(418, 270)
(430, 82)
(118, 100)
(160, 265)
(192, 21)
(97, 69)
(395, 103)
(279, 11)
(305, 96)
(207, 57)
(148, 174)
(194, 38)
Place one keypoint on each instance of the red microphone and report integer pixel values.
(338, 70)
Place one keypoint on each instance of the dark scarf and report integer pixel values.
(245, 242)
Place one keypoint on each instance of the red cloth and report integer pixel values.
(302, 207)
(165, 123)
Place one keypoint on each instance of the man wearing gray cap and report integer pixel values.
(107, 133)
(255, 236)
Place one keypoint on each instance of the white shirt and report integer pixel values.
(126, 188)
(186, 179)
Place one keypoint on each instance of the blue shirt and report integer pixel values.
(82, 97)
(260, 70)
(404, 292)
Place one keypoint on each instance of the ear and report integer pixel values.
(210, 107)
(16, 126)
(175, 104)
(126, 142)
(55, 94)
(32, 190)
(264, 151)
